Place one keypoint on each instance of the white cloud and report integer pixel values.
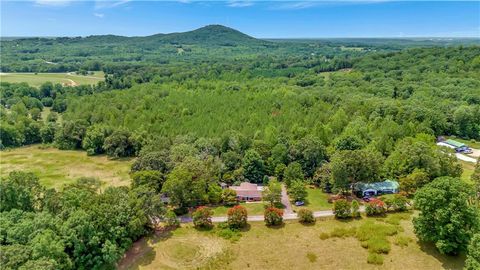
(99, 15)
(100, 4)
(55, 3)
(240, 4)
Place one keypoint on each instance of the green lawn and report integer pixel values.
(317, 200)
(468, 169)
(293, 246)
(56, 168)
(63, 78)
(252, 209)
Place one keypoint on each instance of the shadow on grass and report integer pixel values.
(276, 227)
(448, 262)
(246, 228)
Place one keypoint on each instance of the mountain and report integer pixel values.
(207, 35)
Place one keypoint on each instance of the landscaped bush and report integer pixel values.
(202, 217)
(341, 208)
(273, 216)
(237, 217)
(355, 209)
(375, 207)
(305, 216)
(171, 219)
(395, 202)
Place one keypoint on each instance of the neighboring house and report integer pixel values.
(458, 146)
(376, 188)
(248, 192)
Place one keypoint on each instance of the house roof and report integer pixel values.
(385, 185)
(247, 190)
(454, 143)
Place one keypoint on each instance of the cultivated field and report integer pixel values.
(56, 168)
(293, 246)
(69, 79)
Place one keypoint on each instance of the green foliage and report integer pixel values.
(374, 258)
(214, 193)
(342, 208)
(171, 219)
(375, 207)
(293, 172)
(473, 254)
(94, 139)
(355, 209)
(202, 217)
(273, 216)
(273, 192)
(413, 181)
(229, 197)
(395, 202)
(311, 257)
(298, 191)
(120, 143)
(305, 216)
(446, 218)
(152, 179)
(253, 167)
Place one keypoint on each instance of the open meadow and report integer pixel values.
(56, 168)
(37, 79)
(325, 245)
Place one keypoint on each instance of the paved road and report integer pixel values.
(286, 201)
(286, 216)
(465, 158)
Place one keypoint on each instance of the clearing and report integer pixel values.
(56, 168)
(317, 200)
(66, 79)
(293, 246)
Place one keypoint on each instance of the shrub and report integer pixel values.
(395, 202)
(375, 207)
(202, 217)
(342, 232)
(311, 257)
(402, 241)
(171, 219)
(355, 209)
(341, 208)
(229, 197)
(324, 236)
(273, 216)
(237, 217)
(226, 232)
(305, 216)
(473, 253)
(374, 258)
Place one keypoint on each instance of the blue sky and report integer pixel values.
(281, 19)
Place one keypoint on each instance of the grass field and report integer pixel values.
(252, 209)
(293, 246)
(468, 168)
(63, 78)
(56, 168)
(316, 200)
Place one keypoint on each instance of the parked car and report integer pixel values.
(299, 203)
(366, 198)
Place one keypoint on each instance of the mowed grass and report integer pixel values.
(293, 246)
(317, 200)
(62, 78)
(468, 168)
(56, 168)
(256, 208)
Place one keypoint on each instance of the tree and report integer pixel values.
(71, 134)
(152, 161)
(94, 139)
(253, 167)
(35, 114)
(214, 193)
(305, 216)
(229, 197)
(237, 217)
(342, 209)
(273, 216)
(119, 144)
(273, 192)
(415, 180)
(309, 152)
(151, 179)
(293, 172)
(171, 219)
(202, 217)
(47, 132)
(355, 209)
(20, 191)
(476, 180)
(473, 253)
(298, 191)
(446, 218)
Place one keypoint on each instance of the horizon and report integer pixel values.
(260, 19)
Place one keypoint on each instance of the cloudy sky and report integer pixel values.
(263, 19)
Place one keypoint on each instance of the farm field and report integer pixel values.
(38, 79)
(56, 168)
(293, 246)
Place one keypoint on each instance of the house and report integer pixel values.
(377, 188)
(248, 192)
(458, 146)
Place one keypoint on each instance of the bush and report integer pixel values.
(305, 216)
(273, 216)
(311, 257)
(395, 203)
(341, 208)
(202, 217)
(375, 207)
(171, 219)
(374, 258)
(355, 209)
(402, 241)
(237, 217)
(324, 236)
(473, 253)
(229, 197)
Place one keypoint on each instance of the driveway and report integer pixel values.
(286, 202)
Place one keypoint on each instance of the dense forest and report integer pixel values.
(214, 105)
